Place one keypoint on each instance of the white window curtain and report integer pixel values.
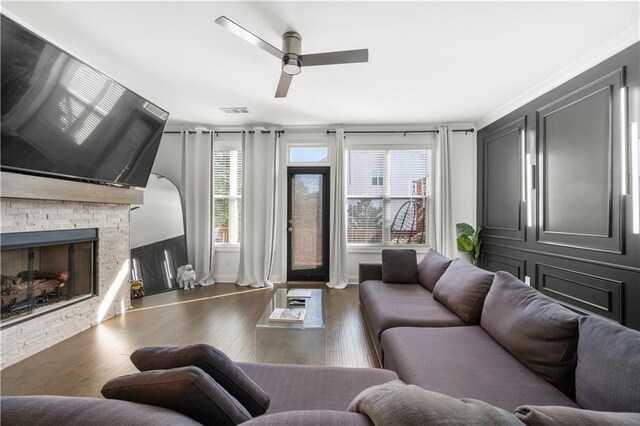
(444, 229)
(197, 201)
(260, 174)
(338, 268)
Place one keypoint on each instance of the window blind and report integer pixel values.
(227, 191)
(388, 193)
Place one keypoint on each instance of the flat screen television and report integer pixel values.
(63, 118)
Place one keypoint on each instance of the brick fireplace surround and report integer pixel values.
(29, 203)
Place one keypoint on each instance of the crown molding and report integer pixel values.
(605, 50)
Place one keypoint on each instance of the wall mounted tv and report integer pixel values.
(63, 118)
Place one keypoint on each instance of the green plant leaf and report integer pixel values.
(476, 236)
(464, 229)
(464, 243)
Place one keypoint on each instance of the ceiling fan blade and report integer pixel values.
(283, 85)
(332, 58)
(249, 36)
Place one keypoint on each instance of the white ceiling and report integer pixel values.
(429, 62)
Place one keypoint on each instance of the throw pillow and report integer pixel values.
(213, 362)
(399, 266)
(431, 268)
(462, 288)
(608, 370)
(535, 329)
(554, 415)
(396, 403)
(187, 390)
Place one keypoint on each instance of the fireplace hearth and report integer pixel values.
(44, 271)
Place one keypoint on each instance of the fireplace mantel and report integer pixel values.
(15, 185)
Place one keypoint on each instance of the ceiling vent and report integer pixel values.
(236, 110)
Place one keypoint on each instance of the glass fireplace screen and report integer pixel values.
(38, 278)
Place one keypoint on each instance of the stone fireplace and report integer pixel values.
(66, 298)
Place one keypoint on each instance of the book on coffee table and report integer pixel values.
(299, 293)
(295, 315)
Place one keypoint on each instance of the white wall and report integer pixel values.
(463, 174)
(168, 161)
(463, 177)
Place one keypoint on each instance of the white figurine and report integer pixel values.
(186, 276)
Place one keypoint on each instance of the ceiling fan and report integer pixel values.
(291, 54)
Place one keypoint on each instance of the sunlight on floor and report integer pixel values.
(200, 299)
(114, 288)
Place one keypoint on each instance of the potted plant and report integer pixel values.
(469, 241)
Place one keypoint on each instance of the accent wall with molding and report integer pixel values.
(554, 191)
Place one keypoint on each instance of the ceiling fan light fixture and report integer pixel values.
(291, 66)
(291, 56)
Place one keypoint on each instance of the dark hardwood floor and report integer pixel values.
(223, 315)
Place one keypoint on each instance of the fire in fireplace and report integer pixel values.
(45, 270)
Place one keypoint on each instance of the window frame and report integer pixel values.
(308, 145)
(388, 144)
(222, 143)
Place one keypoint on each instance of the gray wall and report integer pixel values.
(579, 248)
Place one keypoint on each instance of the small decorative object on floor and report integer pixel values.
(299, 293)
(296, 315)
(137, 289)
(187, 276)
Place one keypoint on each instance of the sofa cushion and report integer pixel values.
(465, 362)
(552, 416)
(369, 271)
(48, 410)
(398, 305)
(213, 362)
(311, 418)
(303, 387)
(608, 371)
(539, 332)
(187, 390)
(399, 266)
(431, 268)
(462, 289)
(396, 403)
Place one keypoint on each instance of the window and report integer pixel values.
(388, 194)
(227, 191)
(308, 154)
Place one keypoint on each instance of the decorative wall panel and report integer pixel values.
(503, 170)
(499, 262)
(579, 196)
(600, 295)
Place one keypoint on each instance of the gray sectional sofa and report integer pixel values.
(298, 395)
(524, 348)
(442, 326)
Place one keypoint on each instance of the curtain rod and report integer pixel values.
(222, 132)
(405, 132)
(329, 132)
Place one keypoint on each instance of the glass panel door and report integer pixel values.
(308, 224)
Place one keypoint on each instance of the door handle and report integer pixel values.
(290, 229)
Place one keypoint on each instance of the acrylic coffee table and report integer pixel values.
(293, 343)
